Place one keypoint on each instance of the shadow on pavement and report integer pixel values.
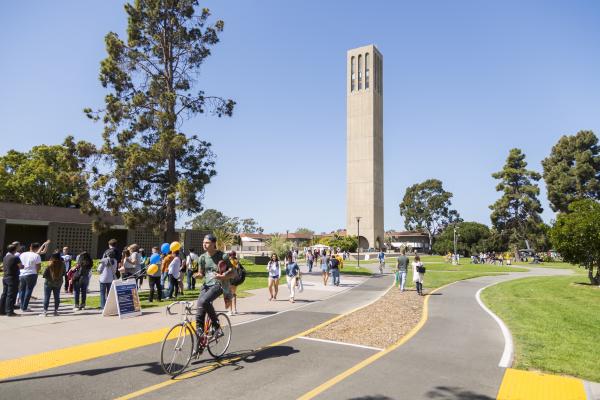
(374, 397)
(153, 368)
(455, 393)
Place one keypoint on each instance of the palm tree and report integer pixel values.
(224, 238)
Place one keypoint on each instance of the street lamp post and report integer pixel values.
(358, 236)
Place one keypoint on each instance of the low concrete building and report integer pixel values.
(69, 227)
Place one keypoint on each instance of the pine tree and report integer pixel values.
(516, 215)
(147, 169)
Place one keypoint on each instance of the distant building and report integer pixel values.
(257, 242)
(69, 227)
(412, 240)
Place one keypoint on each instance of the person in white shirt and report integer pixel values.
(107, 270)
(32, 262)
(274, 269)
(174, 272)
(191, 265)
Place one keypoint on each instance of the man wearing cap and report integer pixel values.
(213, 280)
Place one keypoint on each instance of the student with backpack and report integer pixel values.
(81, 279)
(292, 272)
(191, 263)
(238, 277)
(53, 274)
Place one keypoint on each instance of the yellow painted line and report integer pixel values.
(367, 361)
(231, 360)
(526, 385)
(57, 358)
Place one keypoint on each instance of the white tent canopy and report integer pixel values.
(319, 246)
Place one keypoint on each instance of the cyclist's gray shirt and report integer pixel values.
(402, 264)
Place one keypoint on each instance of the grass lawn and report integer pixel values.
(256, 278)
(555, 323)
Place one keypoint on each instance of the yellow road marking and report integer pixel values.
(338, 378)
(231, 360)
(57, 358)
(526, 385)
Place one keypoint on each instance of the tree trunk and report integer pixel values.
(594, 280)
(171, 214)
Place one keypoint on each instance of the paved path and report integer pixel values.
(454, 356)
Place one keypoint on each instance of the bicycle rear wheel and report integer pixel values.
(219, 342)
(177, 348)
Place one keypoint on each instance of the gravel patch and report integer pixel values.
(380, 324)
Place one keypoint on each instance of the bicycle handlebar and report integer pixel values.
(187, 305)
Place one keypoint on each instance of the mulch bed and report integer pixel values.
(380, 324)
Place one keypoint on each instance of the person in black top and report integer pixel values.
(10, 282)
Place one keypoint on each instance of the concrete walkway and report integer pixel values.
(35, 334)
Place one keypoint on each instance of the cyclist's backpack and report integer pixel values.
(240, 275)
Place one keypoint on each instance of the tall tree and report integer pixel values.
(516, 215)
(572, 170)
(575, 235)
(427, 206)
(212, 219)
(148, 168)
(471, 238)
(250, 225)
(45, 175)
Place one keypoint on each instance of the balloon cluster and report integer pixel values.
(155, 258)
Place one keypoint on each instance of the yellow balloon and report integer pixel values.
(175, 246)
(152, 269)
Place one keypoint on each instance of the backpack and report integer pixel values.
(240, 275)
(421, 269)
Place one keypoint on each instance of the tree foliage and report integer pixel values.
(344, 243)
(148, 169)
(516, 215)
(44, 176)
(472, 238)
(305, 231)
(576, 236)
(572, 170)
(279, 245)
(427, 206)
(212, 219)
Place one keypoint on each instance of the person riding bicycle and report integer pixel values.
(216, 280)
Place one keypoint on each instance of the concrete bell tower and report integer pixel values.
(364, 152)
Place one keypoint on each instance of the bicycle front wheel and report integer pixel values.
(177, 349)
(220, 339)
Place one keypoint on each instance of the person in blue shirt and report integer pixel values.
(292, 271)
(381, 257)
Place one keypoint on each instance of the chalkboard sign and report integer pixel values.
(123, 299)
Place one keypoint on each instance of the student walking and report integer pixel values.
(274, 269)
(231, 305)
(325, 267)
(401, 270)
(81, 279)
(68, 260)
(334, 269)
(418, 274)
(107, 270)
(53, 274)
(292, 272)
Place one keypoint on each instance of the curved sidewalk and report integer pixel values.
(454, 356)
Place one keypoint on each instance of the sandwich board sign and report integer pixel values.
(123, 299)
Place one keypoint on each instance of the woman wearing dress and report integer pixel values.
(418, 276)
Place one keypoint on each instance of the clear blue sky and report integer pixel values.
(465, 81)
